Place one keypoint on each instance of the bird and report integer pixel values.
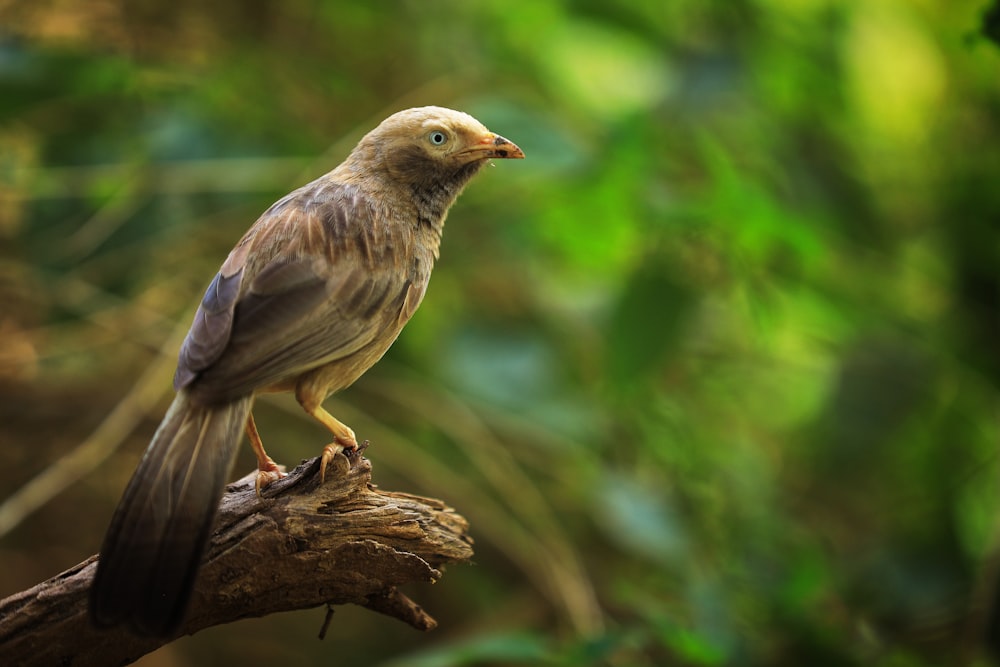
(308, 300)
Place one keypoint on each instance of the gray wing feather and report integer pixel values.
(209, 333)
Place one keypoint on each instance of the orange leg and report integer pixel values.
(267, 470)
(343, 437)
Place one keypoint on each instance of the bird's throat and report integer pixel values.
(432, 197)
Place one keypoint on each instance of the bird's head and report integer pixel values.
(429, 146)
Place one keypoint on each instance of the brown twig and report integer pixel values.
(302, 545)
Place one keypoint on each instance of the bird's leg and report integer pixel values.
(267, 470)
(343, 436)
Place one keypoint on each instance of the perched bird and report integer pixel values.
(312, 295)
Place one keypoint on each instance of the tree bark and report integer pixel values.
(299, 546)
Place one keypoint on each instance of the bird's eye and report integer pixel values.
(438, 138)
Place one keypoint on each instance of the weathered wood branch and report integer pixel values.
(302, 545)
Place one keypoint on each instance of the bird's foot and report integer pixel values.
(266, 474)
(348, 447)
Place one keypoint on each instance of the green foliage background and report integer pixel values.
(713, 373)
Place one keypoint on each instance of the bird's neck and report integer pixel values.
(433, 196)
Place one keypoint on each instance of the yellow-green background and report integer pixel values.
(713, 372)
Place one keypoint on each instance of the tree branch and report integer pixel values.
(302, 545)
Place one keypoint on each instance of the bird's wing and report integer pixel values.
(315, 280)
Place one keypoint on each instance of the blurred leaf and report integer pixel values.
(611, 72)
(641, 520)
(648, 322)
(506, 367)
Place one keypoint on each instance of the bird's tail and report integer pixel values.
(158, 534)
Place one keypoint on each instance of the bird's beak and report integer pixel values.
(493, 145)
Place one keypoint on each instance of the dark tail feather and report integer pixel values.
(158, 534)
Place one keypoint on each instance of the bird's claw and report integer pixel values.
(348, 447)
(266, 477)
(329, 452)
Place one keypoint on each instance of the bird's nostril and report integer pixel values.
(500, 141)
